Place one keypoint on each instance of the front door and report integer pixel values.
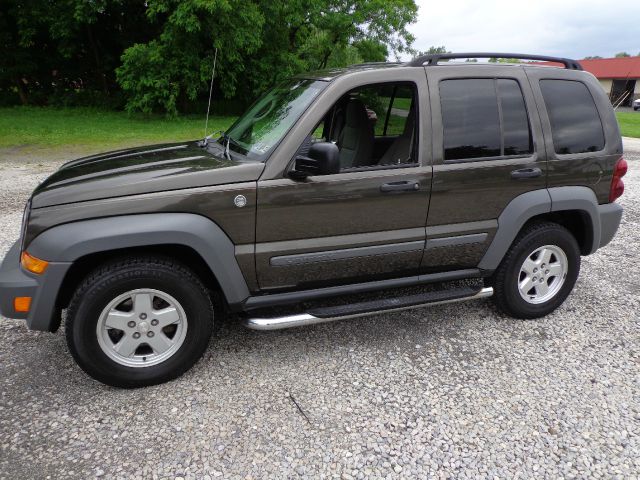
(364, 223)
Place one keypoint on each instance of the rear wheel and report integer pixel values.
(139, 322)
(538, 272)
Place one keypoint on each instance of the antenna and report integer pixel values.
(213, 72)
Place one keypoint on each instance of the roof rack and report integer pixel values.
(433, 59)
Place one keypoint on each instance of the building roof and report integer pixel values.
(625, 67)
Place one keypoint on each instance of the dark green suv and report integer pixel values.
(478, 178)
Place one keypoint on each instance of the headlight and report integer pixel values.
(23, 228)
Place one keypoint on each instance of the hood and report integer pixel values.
(141, 170)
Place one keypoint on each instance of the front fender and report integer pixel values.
(69, 242)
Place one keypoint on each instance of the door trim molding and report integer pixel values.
(457, 240)
(345, 254)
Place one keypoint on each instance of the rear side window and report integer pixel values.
(484, 117)
(575, 123)
(470, 118)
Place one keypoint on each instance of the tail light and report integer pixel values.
(617, 185)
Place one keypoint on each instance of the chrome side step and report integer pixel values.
(331, 314)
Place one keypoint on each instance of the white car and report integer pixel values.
(636, 104)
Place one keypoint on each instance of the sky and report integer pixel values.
(566, 28)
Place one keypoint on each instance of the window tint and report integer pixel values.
(515, 124)
(484, 117)
(575, 123)
(470, 118)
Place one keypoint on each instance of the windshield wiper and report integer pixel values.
(226, 141)
(229, 141)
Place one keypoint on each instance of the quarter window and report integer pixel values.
(484, 117)
(575, 123)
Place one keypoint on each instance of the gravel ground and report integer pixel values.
(454, 391)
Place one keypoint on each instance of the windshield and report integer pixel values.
(261, 127)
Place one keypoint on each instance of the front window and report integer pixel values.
(373, 126)
(261, 127)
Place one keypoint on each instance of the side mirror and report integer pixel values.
(323, 158)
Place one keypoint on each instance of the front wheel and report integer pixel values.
(138, 322)
(538, 272)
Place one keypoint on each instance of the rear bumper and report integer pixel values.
(43, 290)
(610, 216)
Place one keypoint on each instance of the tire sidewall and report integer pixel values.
(96, 297)
(558, 237)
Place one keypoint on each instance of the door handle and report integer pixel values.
(531, 172)
(404, 186)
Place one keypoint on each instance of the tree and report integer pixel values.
(50, 51)
(622, 55)
(371, 50)
(505, 60)
(433, 50)
(159, 53)
(594, 57)
(175, 66)
(259, 44)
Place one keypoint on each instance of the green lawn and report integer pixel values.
(629, 123)
(51, 127)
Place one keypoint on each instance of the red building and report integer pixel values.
(619, 77)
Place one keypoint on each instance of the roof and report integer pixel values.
(433, 59)
(329, 74)
(625, 67)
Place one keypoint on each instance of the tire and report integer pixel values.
(150, 299)
(534, 243)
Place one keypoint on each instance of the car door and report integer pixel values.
(487, 149)
(360, 224)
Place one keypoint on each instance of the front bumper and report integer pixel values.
(43, 289)
(14, 282)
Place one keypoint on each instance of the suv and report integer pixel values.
(485, 179)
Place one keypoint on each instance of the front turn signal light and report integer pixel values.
(22, 304)
(33, 264)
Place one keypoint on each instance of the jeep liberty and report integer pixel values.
(338, 194)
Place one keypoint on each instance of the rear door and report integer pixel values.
(487, 149)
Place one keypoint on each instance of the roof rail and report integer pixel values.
(434, 58)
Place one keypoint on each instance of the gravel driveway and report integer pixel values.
(454, 391)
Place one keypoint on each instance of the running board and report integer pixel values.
(362, 309)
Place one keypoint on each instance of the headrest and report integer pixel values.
(356, 115)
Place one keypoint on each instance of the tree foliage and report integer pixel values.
(159, 53)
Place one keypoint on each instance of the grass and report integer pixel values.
(51, 127)
(629, 123)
